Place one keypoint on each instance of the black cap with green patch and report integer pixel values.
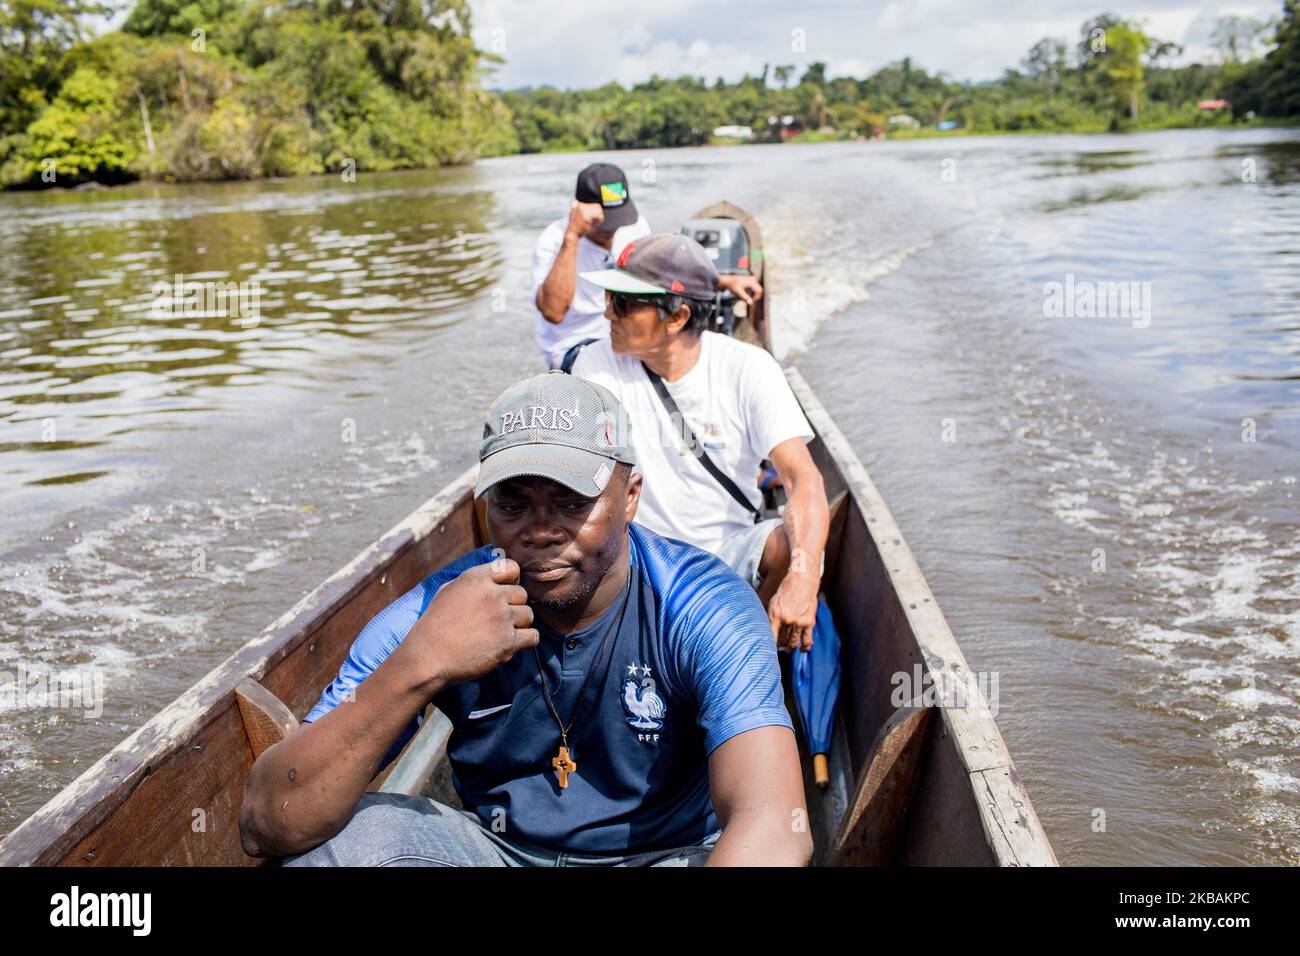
(605, 183)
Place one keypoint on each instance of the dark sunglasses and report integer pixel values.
(624, 302)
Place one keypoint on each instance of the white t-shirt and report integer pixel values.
(586, 316)
(739, 405)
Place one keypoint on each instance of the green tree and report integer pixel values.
(288, 88)
(162, 17)
(1122, 64)
(1045, 62)
(35, 35)
(1093, 41)
(1275, 84)
(75, 138)
(1235, 38)
(815, 74)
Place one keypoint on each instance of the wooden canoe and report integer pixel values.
(927, 783)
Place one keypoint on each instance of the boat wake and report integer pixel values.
(808, 286)
(1195, 578)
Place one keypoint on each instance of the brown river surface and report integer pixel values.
(1104, 503)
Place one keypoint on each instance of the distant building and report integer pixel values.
(734, 132)
(785, 126)
(905, 121)
(1213, 105)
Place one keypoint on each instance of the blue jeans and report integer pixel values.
(394, 829)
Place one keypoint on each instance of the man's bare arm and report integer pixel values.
(302, 791)
(757, 791)
(555, 295)
(746, 288)
(793, 609)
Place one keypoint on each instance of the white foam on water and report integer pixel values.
(264, 559)
(394, 463)
(1162, 641)
(145, 585)
(1206, 597)
(1270, 726)
(1270, 802)
(86, 605)
(1072, 508)
(1175, 578)
(1271, 775)
(17, 755)
(127, 591)
(807, 285)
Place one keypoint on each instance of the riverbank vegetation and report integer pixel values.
(232, 89)
(1112, 76)
(235, 89)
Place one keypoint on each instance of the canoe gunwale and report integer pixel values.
(47, 835)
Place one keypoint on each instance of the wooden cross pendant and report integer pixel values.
(564, 766)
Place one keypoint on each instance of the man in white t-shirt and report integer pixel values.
(734, 401)
(602, 220)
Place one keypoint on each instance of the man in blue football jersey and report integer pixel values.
(614, 695)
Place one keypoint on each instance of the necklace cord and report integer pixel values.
(546, 690)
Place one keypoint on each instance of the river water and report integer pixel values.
(1103, 498)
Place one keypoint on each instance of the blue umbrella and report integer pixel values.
(816, 678)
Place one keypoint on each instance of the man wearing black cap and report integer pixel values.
(706, 409)
(614, 696)
(602, 220)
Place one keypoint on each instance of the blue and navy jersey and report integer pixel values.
(693, 663)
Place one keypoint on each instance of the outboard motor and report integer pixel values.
(725, 242)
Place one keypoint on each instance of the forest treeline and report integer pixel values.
(1112, 76)
(234, 89)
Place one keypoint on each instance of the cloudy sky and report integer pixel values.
(583, 43)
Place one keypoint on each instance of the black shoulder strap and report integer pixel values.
(571, 356)
(727, 484)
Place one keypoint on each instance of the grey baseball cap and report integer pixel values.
(555, 426)
(664, 262)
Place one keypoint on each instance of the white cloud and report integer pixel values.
(573, 44)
